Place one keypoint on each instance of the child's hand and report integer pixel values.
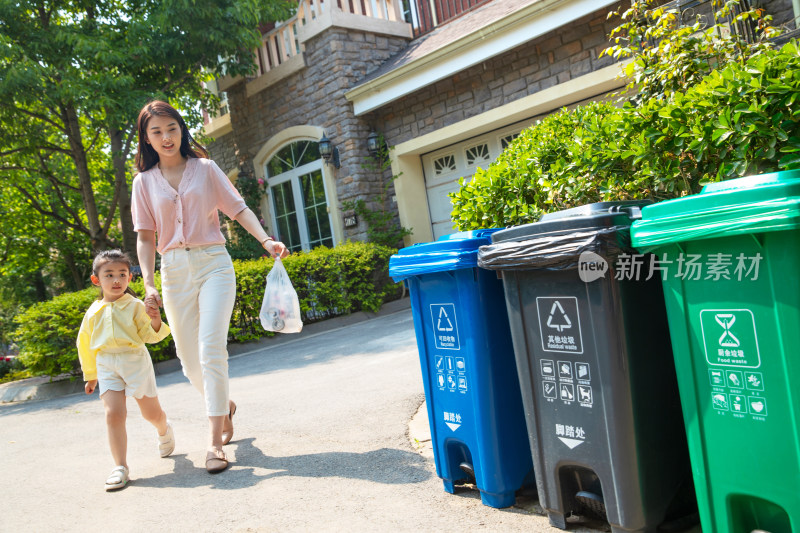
(152, 311)
(90, 386)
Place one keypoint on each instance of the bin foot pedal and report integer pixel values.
(592, 504)
(468, 470)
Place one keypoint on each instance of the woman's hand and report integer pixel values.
(276, 248)
(151, 297)
(90, 386)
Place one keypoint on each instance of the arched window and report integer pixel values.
(299, 203)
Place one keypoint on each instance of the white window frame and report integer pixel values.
(294, 176)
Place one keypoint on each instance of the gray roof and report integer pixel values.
(449, 32)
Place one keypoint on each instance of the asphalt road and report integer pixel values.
(321, 443)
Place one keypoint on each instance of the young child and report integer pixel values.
(111, 348)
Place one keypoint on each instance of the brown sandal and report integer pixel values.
(228, 435)
(216, 461)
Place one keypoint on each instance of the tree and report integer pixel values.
(73, 76)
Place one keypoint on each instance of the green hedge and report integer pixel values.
(328, 281)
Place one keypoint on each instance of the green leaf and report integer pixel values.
(790, 161)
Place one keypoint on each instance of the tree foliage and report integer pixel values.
(73, 76)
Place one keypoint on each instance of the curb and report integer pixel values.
(45, 388)
(419, 432)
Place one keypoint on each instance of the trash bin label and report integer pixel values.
(451, 373)
(572, 436)
(445, 326)
(558, 382)
(560, 324)
(453, 420)
(729, 337)
(739, 392)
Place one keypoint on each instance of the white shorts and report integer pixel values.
(130, 371)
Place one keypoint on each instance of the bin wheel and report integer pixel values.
(592, 504)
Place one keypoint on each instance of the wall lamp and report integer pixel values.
(328, 151)
(373, 143)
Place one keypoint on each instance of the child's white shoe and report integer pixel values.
(166, 442)
(117, 479)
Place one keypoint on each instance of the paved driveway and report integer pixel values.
(321, 443)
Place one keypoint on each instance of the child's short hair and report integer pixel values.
(112, 256)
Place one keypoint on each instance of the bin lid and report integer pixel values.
(449, 252)
(753, 204)
(584, 218)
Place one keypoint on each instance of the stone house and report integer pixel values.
(447, 83)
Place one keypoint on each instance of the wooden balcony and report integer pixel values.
(428, 14)
(282, 44)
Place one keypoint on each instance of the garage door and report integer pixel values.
(443, 168)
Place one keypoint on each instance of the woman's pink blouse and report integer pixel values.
(189, 216)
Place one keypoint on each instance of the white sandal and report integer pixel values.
(117, 479)
(166, 442)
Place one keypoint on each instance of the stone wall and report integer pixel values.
(554, 58)
(335, 59)
(223, 153)
(781, 11)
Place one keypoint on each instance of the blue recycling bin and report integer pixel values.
(475, 407)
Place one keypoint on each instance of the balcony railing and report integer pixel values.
(281, 43)
(428, 14)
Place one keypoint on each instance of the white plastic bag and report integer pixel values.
(280, 310)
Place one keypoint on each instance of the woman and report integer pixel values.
(177, 195)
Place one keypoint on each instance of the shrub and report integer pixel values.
(560, 162)
(9, 368)
(740, 120)
(329, 282)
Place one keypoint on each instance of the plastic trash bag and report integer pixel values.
(280, 310)
(556, 251)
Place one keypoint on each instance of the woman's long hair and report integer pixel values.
(146, 156)
(112, 256)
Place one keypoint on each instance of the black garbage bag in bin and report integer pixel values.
(596, 370)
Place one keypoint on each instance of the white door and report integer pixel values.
(445, 166)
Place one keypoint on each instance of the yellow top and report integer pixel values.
(123, 323)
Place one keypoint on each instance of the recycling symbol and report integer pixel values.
(444, 323)
(560, 324)
(558, 318)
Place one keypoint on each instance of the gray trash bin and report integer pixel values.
(596, 370)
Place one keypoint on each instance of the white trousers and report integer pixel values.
(198, 287)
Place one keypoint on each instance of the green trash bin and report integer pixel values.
(729, 258)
